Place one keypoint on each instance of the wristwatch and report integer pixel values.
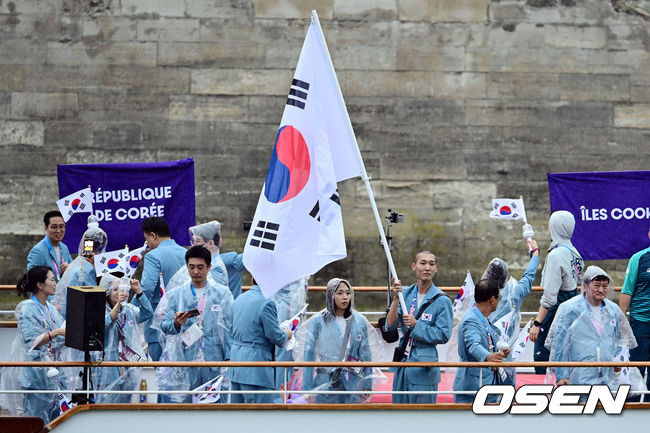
(536, 323)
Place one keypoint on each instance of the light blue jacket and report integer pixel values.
(514, 296)
(432, 328)
(473, 347)
(255, 331)
(235, 268)
(119, 378)
(42, 254)
(218, 270)
(167, 258)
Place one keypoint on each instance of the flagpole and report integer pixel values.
(363, 174)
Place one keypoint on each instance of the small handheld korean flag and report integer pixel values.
(298, 227)
(466, 292)
(111, 261)
(508, 209)
(77, 202)
(504, 326)
(522, 342)
(131, 261)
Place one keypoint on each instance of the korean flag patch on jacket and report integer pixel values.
(426, 317)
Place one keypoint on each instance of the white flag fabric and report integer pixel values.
(80, 201)
(624, 374)
(522, 341)
(508, 209)
(112, 261)
(209, 391)
(131, 261)
(503, 325)
(466, 293)
(298, 227)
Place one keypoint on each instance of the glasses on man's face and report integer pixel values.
(57, 227)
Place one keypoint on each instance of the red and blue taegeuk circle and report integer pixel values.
(290, 166)
(505, 210)
(134, 261)
(75, 203)
(113, 263)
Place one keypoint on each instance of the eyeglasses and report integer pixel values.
(55, 227)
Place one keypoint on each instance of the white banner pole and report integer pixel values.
(363, 174)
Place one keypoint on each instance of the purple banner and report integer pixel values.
(125, 194)
(612, 211)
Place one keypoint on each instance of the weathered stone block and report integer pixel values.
(84, 156)
(208, 108)
(44, 105)
(208, 165)
(67, 134)
(640, 87)
(50, 78)
(358, 57)
(241, 81)
(400, 111)
(632, 116)
(522, 35)
(11, 78)
(507, 12)
(169, 30)
(22, 52)
(444, 10)
(106, 106)
(576, 37)
(293, 8)
(219, 8)
(430, 58)
(22, 159)
(147, 80)
(5, 105)
(101, 53)
(117, 135)
(202, 54)
(153, 8)
(21, 132)
(362, 9)
(110, 28)
(265, 109)
(595, 87)
(523, 86)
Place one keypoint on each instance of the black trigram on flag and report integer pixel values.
(67, 202)
(315, 211)
(298, 93)
(265, 235)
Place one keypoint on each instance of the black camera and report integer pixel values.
(394, 217)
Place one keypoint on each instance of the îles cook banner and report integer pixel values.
(125, 194)
(611, 209)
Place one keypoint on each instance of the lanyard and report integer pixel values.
(414, 302)
(200, 305)
(50, 249)
(487, 328)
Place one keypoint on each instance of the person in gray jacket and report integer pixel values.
(561, 277)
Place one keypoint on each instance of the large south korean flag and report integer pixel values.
(298, 228)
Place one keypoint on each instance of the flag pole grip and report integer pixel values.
(363, 174)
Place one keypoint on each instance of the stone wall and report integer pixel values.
(453, 102)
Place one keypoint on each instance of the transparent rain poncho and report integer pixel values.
(585, 332)
(325, 337)
(34, 320)
(209, 235)
(81, 272)
(122, 342)
(213, 344)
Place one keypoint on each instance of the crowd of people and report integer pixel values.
(189, 306)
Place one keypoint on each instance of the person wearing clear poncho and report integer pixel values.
(122, 339)
(209, 236)
(81, 271)
(195, 320)
(41, 337)
(589, 328)
(338, 333)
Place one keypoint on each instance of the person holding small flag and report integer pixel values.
(427, 323)
(477, 342)
(561, 277)
(166, 257)
(122, 338)
(51, 250)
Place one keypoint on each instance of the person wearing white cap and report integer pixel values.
(589, 328)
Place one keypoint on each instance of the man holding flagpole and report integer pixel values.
(428, 322)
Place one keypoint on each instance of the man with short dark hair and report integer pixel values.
(51, 251)
(196, 326)
(164, 257)
(635, 295)
(433, 327)
(477, 340)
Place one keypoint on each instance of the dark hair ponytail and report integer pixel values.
(27, 284)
